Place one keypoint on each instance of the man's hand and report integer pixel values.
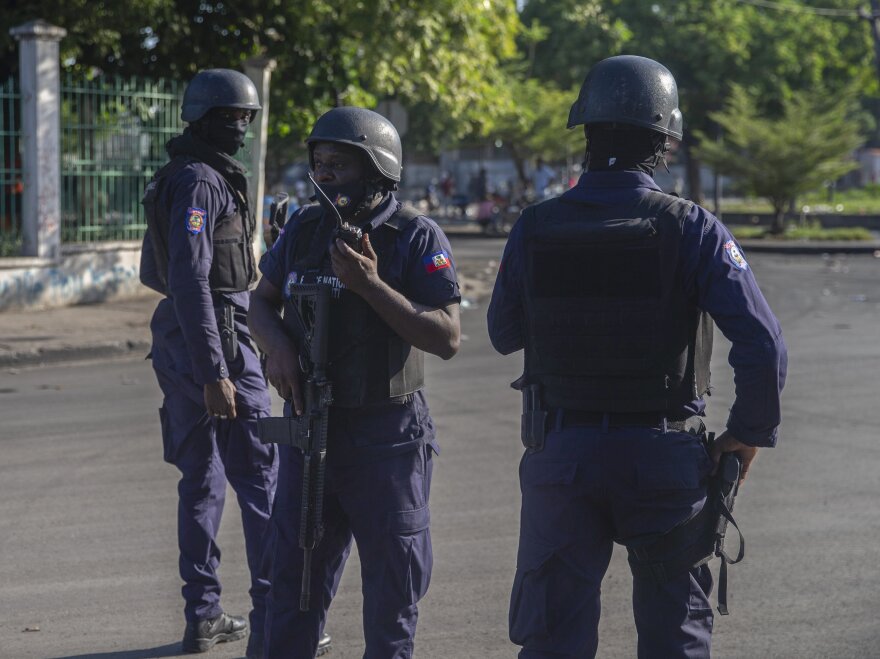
(283, 373)
(357, 271)
(220, 398)
(727, 443)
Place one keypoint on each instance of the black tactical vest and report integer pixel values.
(609, 328)
(233, 267)
(368, 362)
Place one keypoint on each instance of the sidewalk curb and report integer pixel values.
(73, 353)
(129, 347)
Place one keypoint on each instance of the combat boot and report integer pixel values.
(323, 644)
(201, 636)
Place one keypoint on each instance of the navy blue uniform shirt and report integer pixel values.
(413, 271)
(716, 277)
(197, 196)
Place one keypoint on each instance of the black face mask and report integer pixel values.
(227, 136)
(348, 198)
(628, 149)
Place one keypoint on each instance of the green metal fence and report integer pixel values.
(113, 134)
(10, 169)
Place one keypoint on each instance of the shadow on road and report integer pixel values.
(170, 650)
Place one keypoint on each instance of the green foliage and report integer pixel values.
(708, 46)
(465, 67)
(813, 231)
(97, 32)
(579, 33)
(446, 53)
(535, 126)
(781, 157)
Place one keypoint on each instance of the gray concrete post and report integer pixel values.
(259, 70)
(40, 84)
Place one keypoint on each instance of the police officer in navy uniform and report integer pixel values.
(399, 297)
(609, 290)
(198, 253)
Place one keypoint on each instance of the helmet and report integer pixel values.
(628, 89)
(364, 129)
(218, 88)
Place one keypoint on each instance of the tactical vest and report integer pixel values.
(368, 362)
(609, 328)
(233, 267)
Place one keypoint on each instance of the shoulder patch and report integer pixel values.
(195, 220)
(437, 261)
(735, 256)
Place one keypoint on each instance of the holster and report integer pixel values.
(533, 423)
(228, 333)
(699, 539)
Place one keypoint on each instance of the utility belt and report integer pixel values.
(562, 418)
(537, 418)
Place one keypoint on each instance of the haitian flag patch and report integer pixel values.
(436, 262)
(195, 220)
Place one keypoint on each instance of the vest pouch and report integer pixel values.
(406, 367)
(231, 267)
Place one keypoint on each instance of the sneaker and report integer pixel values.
(203, 635)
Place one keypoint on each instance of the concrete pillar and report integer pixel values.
(259, 70)
(40, 136)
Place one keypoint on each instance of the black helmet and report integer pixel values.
(368, 131)
(628, 89)
(218, 88)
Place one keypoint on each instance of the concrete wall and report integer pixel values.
(79, 276)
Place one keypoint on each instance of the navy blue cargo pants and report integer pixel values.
(383, 505)
(586, 489)
(209, 453)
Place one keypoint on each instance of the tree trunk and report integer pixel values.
(778, 227)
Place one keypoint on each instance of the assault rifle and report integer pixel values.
(308, 312)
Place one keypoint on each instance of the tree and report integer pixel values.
(446, 53)
(536, 125)
(780, 157)
(577, 34)
(97, 32)
(708, 46)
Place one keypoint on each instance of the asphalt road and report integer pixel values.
(87, 507)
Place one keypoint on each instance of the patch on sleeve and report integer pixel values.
(195, 220)
(736, 257)
(436, 262)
